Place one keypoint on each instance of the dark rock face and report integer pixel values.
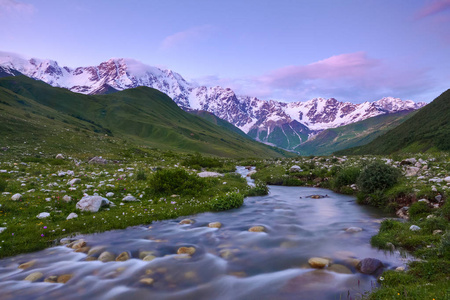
(370, 266)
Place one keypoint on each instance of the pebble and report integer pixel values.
(27, 264)
(148, 281)
(215, 225)
(67, 198)
(72, 216)
(43, 215)
(186, 221)
(257, 229)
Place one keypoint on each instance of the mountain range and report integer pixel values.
(286, 125)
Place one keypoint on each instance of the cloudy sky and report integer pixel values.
(289, 50)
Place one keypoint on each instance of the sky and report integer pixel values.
(286, 50)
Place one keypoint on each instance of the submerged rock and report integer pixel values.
(123, 256)
(34, 276)
(64, 278)
(353, 229)
(27, 264)
(186, 221)
(215, 225)
(257, 229)
(106, 256)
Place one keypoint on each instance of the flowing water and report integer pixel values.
(229, 263)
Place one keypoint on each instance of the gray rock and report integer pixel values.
(74, 181)
(59, 156)
(2, 229)
(98, 160)
(110, 194)
(447, 179)
(295, 168)
(411, 171)
(209, 174)
(72, 216)
(414, 228)
(353, 229)
(16, 197)
(370, 266)
(43, 215)
(67, 198)
(438, 198)
(129, 198)
(91, 203)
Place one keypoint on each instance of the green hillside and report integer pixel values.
(210, 117)
(427, 130)
(33, 111)
(352, 135)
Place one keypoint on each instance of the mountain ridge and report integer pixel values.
(285, 125)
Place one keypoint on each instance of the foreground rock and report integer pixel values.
(370, 266)
(16, 197)
(318, 263)
(92, 203)
(34, 276)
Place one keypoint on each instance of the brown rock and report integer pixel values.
(27, 264)
(257, 229)
(106, 256)
(83, 249)
(34, 276)
(186, 221)
(149, 257)
(186, 250)
(90, 258)
(341, 269)
(78, 244)
(64, 278)
(123, 256)
(51, 279)
(215, 225)
(148, 281)
(318, 263)
(143, 254)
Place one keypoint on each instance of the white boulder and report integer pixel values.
(43, 215)
(16, 197)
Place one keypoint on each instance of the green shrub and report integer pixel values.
(141, 175)
(260, 189)
(346, 176)
(434, 224)
(3, 185)
(228, 201)
(198, 160)
(445, 210)
(418, 210)
(444, 246)
(176, 181)
(377, 176)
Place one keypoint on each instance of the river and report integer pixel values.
(229, 262)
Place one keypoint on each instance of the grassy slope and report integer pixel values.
(352, 135)
(427, 130)
(143, 116)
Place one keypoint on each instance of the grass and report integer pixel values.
(145, 176)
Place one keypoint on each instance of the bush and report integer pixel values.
(198, 160)
(377, 176)
(228, 201)
(445, 210)
(140, 175)
(260, 189)
(346, 176)
(176, 181)
(434, 224)
(418, 210)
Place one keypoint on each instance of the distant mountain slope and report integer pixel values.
(272, 122)
(428, 129)
(352, 135)
(141, 115)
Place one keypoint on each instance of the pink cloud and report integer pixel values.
(188, 36)
(433, 7)
(351, 65)
(10, 6)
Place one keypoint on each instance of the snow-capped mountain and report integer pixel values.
(273, 122)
